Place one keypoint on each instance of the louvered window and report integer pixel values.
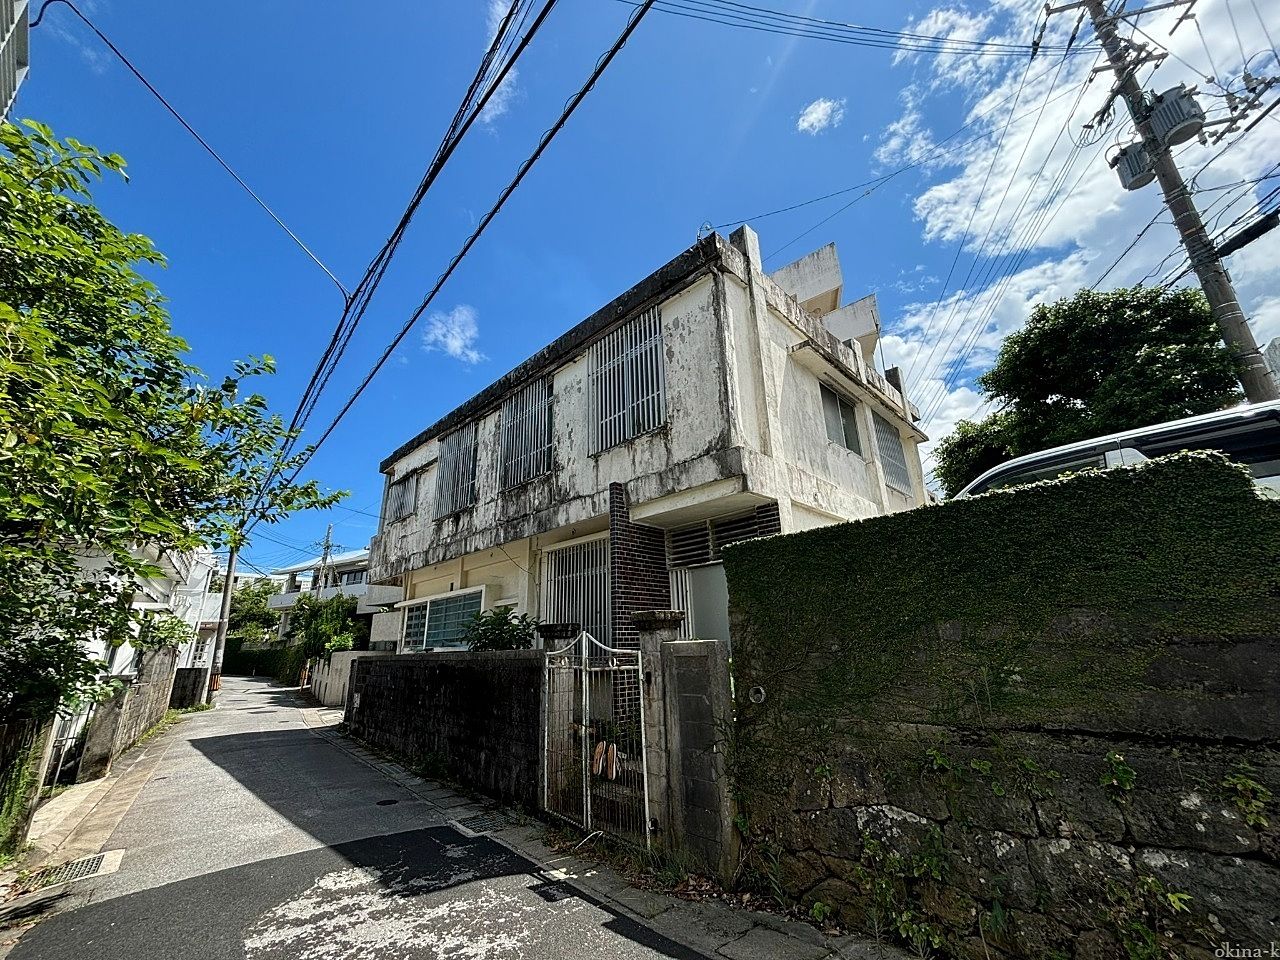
(526, 433)
(441, 622)
(628, 382)
(402, 498)
(892, 456)
(702, 542)
(456, 471)
(575, 587)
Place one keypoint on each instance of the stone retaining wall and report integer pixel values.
(1039, 723)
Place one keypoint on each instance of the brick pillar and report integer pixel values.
(637, 570)
(657, 628)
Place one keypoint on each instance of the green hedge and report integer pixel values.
(952, 613)
(237, 661)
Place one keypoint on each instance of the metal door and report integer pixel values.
(594, 772)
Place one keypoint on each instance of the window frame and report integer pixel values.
(410, 605)
(526, 433)
(406, 504)
(848, 417)
(627, 381)
(884, 427)
(456, 479)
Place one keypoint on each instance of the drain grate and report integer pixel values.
(80, 869)
(486, 822)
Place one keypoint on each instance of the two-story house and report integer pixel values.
(346, 574)
(709, 403)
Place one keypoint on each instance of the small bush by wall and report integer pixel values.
(473, 717)
(1035, 723)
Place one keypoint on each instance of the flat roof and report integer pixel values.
(336, 560)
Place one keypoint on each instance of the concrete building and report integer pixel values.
(15, 51)
(345, 574)
(1272, 356)
(708, 404)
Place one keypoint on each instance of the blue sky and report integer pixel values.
(332, 116)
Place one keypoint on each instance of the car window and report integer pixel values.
(1032, 472)
(1256, 445)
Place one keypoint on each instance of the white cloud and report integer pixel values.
(820, 115)
(454, 333)
(1040, 218)
(508, 92)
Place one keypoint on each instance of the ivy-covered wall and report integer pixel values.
(1037, 723)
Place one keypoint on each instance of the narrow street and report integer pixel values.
(258, 837)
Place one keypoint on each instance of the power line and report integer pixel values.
(763, 20)
(570, 107)
(192, 130)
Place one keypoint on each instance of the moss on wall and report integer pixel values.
(873, 660)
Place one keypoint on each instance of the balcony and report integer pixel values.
(371, 597)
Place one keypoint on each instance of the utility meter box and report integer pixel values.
(1176, 116)
(1133, 165)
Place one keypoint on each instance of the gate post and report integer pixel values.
(656, 628)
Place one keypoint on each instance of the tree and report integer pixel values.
(1094, 364)
(252, 620)
(108, 437)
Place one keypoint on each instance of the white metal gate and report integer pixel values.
(594, 771)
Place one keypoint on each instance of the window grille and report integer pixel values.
(702, 542)
(628, 382)
(841, 417)
(526, 433)
(575, 587)
(892, 455)
(441, 622)
(402, 498)
(456, 471)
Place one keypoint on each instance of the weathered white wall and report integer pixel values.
(329, 680)
(741, 408)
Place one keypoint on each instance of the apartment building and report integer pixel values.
(345, 574)
(15, 51)
(709, 403)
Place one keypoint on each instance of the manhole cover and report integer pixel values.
(486, 822)
(66, 872)
(387, 803)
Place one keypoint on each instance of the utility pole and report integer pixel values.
(1255, 376)
(326, 549)
(214, 678)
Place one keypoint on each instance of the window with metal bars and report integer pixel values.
(526, 433)
(575, 587)
(402, 498)
(841, 417)
(628, 382)
(441, 622)
(892, 456)
(456, 471)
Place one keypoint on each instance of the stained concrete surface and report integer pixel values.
(258, 838)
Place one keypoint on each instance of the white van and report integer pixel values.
(1248, 434)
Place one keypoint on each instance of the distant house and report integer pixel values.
(347, 574)
(710, 403)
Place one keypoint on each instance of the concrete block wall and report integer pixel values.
(119, 722)
(475, 718)
(188, 685)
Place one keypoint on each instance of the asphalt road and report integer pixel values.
(257, 838)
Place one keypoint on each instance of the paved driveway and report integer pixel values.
(256, 837)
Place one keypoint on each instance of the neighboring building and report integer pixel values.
(708, 404)
(198, 601)
(344, 573)
(1272, 355)
(15, 51)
